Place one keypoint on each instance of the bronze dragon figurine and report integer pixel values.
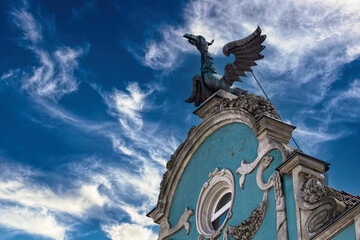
(246, 51)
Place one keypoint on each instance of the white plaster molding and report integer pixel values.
(218, 184)
(241, 230)
(166, 230)
(341, 224)
(296, 172)
(301, 159)
(274, 181)
(317, 205)
(266, 145)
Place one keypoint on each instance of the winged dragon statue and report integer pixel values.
(246, 51)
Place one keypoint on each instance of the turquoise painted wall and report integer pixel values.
(347, 234)
(225, 148)
(290, 206)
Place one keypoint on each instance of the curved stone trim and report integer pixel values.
(219, 183)
(166, 230)
(184, 153)
(274, 181)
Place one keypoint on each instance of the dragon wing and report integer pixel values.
(246, 51)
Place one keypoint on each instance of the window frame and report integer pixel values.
(219, 184)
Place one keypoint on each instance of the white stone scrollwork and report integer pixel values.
(220, 185)
(166, 230)
(274, 181)
(320, 204)
(249, 227)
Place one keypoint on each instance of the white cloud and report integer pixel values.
(104, 187)
(128, 106)
(73, 201)
(307, 39)
(137, 135)
(308, 43)
(353, 91)
(33, 207)
(54, 76)
(310, 138)
(10, 74)
(33, 221)
(129, 232)
(24, 20)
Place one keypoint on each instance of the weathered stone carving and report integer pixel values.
(254, 221)
(166, 230)
(281, 218)
(255, 105)
(274, 181)
(313, 191)
(247, 229)
(246, 52)
(321, 204)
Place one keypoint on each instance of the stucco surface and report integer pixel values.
(347, 233)
(290, 206)
(225, 148)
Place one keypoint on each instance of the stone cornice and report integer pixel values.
(300, 158)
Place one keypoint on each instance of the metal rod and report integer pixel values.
(270, 101)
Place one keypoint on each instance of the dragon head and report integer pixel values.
(198, 41)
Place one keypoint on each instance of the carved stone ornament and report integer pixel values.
(218, 185)
(313, 191)
(166, 230)
(320, 204)
(255, 105)
(247, 229)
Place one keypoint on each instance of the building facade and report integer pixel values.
(237, 177)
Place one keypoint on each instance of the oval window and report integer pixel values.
(221, 211)
(215, 203)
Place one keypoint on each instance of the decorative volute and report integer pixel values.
(317, 205)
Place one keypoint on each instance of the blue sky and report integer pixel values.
(92, 101)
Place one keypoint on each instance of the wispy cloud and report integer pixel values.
(308, 42)
(129, 231)
(309, 28)
(31, 31)
(54, 76)
(34, 221)
(102, 185)
(137, 135)
(31, 206)
(340, 109)
(128, 106)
